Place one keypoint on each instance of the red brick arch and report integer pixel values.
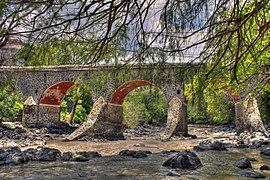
(54, 94)
(122, 91)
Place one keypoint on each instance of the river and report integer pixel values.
(216, 164)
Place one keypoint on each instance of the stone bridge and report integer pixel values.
(44, 88)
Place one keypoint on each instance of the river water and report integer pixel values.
(216, 164)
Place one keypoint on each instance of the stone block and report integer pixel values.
(30, 112)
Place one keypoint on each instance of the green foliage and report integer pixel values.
(79, 96)
(56, 52)
(220, 108)
(145, 105)
(264, 106)
(238, 65)
(10, 102)
(207, 104)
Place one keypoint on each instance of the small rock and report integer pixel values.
(56, 131)
(251, 173)
(265, 151)
(251, 159)
(67, 156)
(37, 131)
(134, 154)
(32, 154)
(165, 152)
(79, 156)
(264, 167)
(210, 145)
(127, 153)
(17, 158)
(140, 154)
(44, 130)
(19, 131)
(243, 163)
(173, 174)
(1, 135)
(49, 154)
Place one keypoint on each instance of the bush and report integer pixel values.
(10, 102)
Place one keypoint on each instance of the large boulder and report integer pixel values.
(183, 160)
(243, 163)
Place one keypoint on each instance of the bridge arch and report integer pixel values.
(54, 94)
(123, 90)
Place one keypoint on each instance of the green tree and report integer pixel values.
(77, 104)
(239, 65)
(145, 105)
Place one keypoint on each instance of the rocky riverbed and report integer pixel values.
(41, 154)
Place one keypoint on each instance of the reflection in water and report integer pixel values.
(217, 165)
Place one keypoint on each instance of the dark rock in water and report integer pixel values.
(243, 163)
(127, 153)
(67, 156)
(16, 158)
(49, 154)
(264, 167)
(165, 152)
(3, 155)
(184, 160)
(266, 151)
(79, 156)
(242, 146)
(251, 159)
(134, 154)
(56, 131)
(85, 156)
(12, 149)
(12, 156)
(19, 131)
(140, 154)
(32, 154)
(173, 174)
(251, 173)
(258, 143)
(210, 145)
(198, 149)
(193, 136)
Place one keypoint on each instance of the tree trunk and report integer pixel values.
(70, 119)
(248, 117)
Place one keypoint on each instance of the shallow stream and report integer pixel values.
(216, 165)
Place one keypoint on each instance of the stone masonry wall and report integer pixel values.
(104, 121)
(176, 123)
